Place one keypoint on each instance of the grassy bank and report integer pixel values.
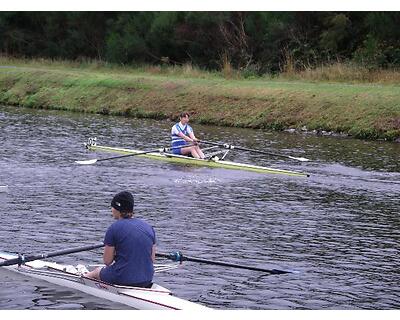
(370, 111)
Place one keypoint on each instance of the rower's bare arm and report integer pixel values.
(191, 135)
(184, 137)
(108, 255)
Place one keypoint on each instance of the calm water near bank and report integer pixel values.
(340, 228)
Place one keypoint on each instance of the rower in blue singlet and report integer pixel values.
(130, 247)
(182, 135)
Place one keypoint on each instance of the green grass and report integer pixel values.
(364, 110)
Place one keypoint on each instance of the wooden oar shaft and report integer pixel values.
(22, 259)
(177, 256)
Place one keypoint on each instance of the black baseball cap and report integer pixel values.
(123, 202)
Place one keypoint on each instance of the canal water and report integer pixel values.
(339, 228)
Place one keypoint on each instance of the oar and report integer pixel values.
(229, 146)
(93, 161)
(179, 257)
(22, 259)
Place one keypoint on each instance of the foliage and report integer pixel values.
(252, 43)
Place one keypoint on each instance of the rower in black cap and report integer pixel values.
(129, 251)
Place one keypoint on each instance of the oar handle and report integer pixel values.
(222, 145)
(179, 257)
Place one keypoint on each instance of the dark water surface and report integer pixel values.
(340, 227)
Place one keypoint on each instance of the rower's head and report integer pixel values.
(122, 205)
(184, 117)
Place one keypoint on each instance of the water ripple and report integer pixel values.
(339, 228)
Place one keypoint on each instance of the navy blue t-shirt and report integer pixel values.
(133, 240)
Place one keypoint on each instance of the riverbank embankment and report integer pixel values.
(367, 111)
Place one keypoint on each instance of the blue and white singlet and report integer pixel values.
(176, 140)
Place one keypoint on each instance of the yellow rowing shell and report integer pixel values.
(198, 162)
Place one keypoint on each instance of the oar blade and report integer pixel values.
(91, 161)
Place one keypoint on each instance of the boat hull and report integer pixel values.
(154, 298)
(198, 162)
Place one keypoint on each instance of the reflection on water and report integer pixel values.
(339, 228)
